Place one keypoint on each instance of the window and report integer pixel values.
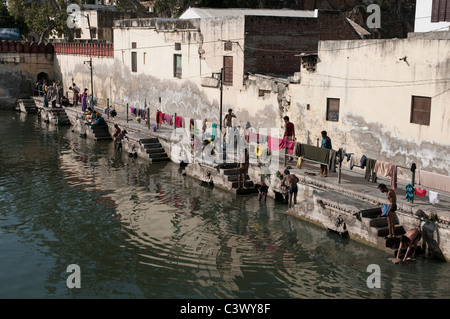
(228, 70)
(262, 92)
(228, 46)
(133, 61)
(77, 33)
(420, 110)
(440, 11)
(93, 33)
(177, 46)
(333, 109)
(133, 45)
(177, 66)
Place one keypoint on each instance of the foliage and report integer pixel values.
(40, 16)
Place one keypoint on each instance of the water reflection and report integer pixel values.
(146, 231)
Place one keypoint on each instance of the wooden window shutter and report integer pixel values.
(442, 8)
(435, 11)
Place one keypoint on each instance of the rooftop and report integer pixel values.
(202, 13)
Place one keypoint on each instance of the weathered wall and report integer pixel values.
(375, 89)
(18, 75)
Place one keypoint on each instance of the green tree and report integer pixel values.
(40, 16)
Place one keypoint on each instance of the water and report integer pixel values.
(145, 231)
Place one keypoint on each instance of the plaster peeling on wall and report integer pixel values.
(378, 143)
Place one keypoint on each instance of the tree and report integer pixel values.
(40, 16)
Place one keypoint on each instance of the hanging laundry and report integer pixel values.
(298, 149)
(363, 161)
(158, 117)
(259, 151)
(420, 191)
(370, 174)
(178, 121)
(433, 180)
(214, 130)
(133, 111)
(314, 153)
(434, 197)
(409, 192)
(168, 118)
(300, 162)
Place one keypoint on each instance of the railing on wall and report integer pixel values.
(11, 46)
(89, 49)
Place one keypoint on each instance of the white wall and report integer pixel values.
(375, 89)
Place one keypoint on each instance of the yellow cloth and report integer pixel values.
(259, 151)
(300, 162)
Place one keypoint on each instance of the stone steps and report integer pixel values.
(101, 133)
(153, 148)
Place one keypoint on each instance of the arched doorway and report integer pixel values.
(41, 77)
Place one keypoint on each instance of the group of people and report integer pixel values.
(79, 97)
(53, 94)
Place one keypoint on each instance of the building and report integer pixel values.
(432, 15)
(99, 19)
(252, 47)
(386, 99)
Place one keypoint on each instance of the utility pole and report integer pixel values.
(221, 97)
(91, 102)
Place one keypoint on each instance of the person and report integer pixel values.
(390, 210)
(59, 93)
(262, 189)
(293, 189)
(326, 143)
(411, 238)
(119, 139)
(84, 98)
(75, 91)
(52, 95)
(117, 131)
(243, 168)
(99, 120)
(289, 131)
(229, 118)
(65, 101)
(113, 113)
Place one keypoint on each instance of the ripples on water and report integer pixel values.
(145, 231)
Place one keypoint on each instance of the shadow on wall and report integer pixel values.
(430, 235)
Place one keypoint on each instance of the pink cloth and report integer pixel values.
(278, 143)
(386, 169)
(168, 119)
(433, 180)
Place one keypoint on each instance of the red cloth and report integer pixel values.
(420, 191)
(158, 117)
(178, 121)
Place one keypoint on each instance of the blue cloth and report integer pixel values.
(385, 209)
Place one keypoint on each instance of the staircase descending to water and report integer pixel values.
(101, 133)
(26, 106)
(154, 149)
(59, 114)
(379, 226)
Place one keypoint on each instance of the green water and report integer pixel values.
(146, 231)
